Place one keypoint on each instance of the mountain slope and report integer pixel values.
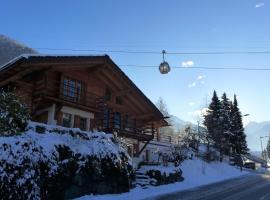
(254, 130)
(177, 123)
(10, 49)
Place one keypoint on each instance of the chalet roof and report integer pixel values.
(40, 58)
(30, 57)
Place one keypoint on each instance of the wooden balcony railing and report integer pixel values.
(123, 127)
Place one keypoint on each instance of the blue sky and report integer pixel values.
(176, 26)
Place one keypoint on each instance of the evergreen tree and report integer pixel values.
(239, 138)
(226, 122)
(14, 114)
(213, 123)
(232, 136)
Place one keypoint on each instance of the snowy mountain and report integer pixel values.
(254, 130)
(10, 49)
(256, 153)
(177, 123)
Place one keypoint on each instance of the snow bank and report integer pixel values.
(46, 158)
(196, 173)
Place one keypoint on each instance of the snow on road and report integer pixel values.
(196, 173)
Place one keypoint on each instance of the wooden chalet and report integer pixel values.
(87, 92)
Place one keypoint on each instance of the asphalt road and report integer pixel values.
(249, 187)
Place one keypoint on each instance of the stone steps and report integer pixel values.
(143, 180)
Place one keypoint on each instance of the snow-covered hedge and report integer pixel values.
(52, 162)
(163, 174)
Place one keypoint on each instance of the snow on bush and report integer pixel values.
(163, 174)
(52, 162)
(13, 114)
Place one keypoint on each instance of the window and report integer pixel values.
(73, 89)
(117, 120)
(108, 94)
(66, 120)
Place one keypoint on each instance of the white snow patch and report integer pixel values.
(196, 173)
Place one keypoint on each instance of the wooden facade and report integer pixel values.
(88, 92)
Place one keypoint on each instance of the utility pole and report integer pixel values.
(261, 137)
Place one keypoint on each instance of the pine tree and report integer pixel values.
(226, 122)
(232, 136)
(14, 114)
(239, 138)
(213, 123)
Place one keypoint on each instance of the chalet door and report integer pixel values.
(80, 122)
(117, 120)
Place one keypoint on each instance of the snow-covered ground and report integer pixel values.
(196, 173)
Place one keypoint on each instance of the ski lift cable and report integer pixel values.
(205, 68)
(155, 52)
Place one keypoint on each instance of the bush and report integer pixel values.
(52, 165)
(163, 178)
(14, 114)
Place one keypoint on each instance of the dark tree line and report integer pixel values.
(223, 121)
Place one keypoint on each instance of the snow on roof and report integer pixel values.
(28, 56)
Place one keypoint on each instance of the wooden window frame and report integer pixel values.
(73, 89)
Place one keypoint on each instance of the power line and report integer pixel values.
(100, 51)
(205, 68)
(155, 52)
(253, 68)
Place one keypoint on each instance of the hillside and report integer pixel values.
(10, 49)
(254, 130)
(177, 123)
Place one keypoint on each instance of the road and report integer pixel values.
(249, 187)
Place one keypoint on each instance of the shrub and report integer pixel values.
(13, 114)
(163, 178)
(40, 129)
(52, 165)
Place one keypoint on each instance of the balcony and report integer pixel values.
(77, 96)
(113, 123)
